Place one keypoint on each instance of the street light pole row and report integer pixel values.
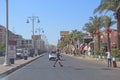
(33, 18)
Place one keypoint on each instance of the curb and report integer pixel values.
(18, 67)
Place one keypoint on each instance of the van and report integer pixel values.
(19, 53)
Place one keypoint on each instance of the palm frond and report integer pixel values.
(107, 5)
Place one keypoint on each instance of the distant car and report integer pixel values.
(19, 53)
(52, 56)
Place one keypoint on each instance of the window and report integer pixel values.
(0, 36)
(0, 30)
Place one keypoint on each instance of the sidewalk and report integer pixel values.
(4, 70)
(103, 61)
(100, 60)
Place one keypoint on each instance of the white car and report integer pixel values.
(19, 53)
(52, 56)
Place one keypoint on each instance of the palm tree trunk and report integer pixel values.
(98, 42)
(109, 42)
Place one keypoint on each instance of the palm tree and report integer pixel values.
(108, 22)
(97, 24)
(67, 39)
(76, 37)
(89, 27)
(111, 5)
(64, 42)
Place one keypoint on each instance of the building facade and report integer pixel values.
(113, 38)
(2, 33)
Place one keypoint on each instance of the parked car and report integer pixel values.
(19, 53)
(2, 53)
(52, 56)
(31, 52)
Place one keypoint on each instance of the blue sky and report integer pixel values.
(54, 15)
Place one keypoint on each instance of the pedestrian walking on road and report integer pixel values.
(109, 58)
(58, 58)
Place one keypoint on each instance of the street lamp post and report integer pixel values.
(7, 62)
(33, 18)
(41, 31)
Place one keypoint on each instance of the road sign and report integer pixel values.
(11, 51)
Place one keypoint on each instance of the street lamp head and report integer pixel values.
(27, 21)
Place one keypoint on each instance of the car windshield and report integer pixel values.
(19, 51)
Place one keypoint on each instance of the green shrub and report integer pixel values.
(115, 52)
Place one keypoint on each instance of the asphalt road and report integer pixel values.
(73, 69)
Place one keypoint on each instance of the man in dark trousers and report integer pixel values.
(109, 58)
(58, 58)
